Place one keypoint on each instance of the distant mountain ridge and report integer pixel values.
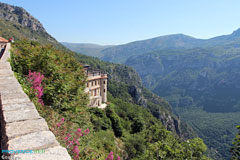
(87, 48)
(120, 53)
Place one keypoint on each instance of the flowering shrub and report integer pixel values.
(35, 78)
(111, 157)
(74, 141)
(71, 139)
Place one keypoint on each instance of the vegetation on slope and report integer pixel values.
(9, 29)
(235, 150)
(118, 128)
(197, 83)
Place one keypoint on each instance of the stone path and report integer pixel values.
(21, 125)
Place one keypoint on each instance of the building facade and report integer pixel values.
(96, 87)
(3, 44)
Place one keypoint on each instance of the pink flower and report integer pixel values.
(68, 135)
(66, 138)
(35, 78)
(79, 132)
(87, 131)
(76, 142)
(62, 120)
(76, 150)
(110, 156)
(58, 124)
(118, 158)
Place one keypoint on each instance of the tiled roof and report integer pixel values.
(3, 40)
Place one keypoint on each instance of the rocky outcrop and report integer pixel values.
(20, 16)
(22, 128)
(137, 95)
(18, 23)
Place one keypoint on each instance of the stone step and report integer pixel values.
(21, 128)
(4, 92)
(20, 115)
(14, 100)
(34, 141)
(14, 96)
(6, 78)
(6, 74)
(8, 81)
(10, 87)
(5, 67)
(55, 153)
(20, 106)
(5, 70)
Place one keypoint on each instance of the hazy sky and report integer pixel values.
(122, 21)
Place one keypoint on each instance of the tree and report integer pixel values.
(235, 150)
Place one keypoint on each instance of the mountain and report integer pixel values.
(120, 53)
(198, 77)
(89, 49)
(18, 23)
(199, 82)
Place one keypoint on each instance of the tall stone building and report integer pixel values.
(96, 87)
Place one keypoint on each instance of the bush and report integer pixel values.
(116, 124)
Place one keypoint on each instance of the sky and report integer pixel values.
(111, 22)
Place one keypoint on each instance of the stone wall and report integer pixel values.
(21, 126)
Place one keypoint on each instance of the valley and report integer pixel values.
(199, 78)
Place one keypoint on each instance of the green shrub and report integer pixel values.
(116, 124)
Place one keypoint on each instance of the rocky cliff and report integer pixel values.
(18, 23)
(21, 16)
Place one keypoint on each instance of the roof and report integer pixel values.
(3, 40)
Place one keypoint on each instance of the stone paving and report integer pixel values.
(21, 125)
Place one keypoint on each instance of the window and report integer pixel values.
(87, 84)
(104, 90)
(103, 82)
(95, 92)
(92, 83)
(95, 82)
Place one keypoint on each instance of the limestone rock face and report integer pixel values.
(16, 22)
(21, 16)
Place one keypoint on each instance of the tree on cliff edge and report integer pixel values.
(235, 150)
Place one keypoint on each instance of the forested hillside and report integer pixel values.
(199, 83)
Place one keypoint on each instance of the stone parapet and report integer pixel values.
(21, 126)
